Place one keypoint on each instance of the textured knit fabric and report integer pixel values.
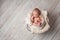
(45, 26)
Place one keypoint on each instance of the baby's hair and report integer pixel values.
(36, 9)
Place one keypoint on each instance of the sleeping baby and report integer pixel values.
(36, 17)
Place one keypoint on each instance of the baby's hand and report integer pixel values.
(32, 18)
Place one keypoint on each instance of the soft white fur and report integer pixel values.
(35, 29)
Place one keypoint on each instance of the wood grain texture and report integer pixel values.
(13, 13)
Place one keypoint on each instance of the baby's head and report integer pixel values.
(36, 12)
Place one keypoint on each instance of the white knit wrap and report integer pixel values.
(35, 29)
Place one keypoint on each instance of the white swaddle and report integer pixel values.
(45, 26)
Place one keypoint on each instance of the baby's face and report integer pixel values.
(35, 14)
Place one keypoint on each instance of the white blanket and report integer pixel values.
(35, 29)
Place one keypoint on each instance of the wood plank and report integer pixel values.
(54, 23)
(13, 13)
(10, 10)
(12, 23)
(57, 35)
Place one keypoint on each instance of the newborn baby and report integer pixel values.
(36, 18)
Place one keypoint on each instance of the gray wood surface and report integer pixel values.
(13, 13)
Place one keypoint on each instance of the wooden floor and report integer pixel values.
(13, 13)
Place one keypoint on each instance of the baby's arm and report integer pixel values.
(32, 19)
